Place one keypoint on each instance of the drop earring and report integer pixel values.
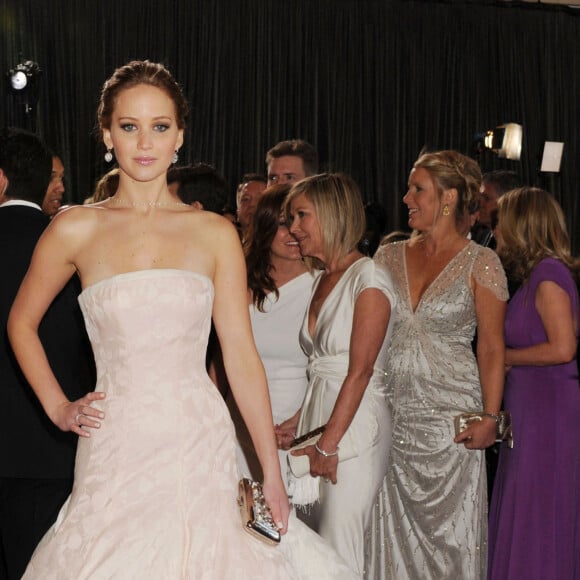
(445, 209)
(175, 158)
(108, 156)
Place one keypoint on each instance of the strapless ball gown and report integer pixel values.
(155, 487)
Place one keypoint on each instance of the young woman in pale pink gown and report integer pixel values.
(156, 478)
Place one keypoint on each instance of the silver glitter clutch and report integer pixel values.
(503, 421)
(256, 517)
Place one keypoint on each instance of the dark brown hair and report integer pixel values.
(296, 148)
(258, 244)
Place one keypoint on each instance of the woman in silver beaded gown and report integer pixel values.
(430, 517)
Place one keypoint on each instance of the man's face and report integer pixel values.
(248, 199)
(487, 203)
(285, 169)
(53, 197)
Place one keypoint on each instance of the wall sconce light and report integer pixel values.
(24, 90)
(24, 75)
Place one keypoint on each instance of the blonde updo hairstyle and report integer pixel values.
(532, 227)
(338, 204)
(452, 170)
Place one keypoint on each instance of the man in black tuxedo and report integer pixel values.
(36, 458)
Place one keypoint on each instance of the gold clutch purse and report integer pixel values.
(256, 517)
(503, 421)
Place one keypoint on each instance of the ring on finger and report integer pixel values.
(77, 419)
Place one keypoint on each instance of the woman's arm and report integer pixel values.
(49, 271)
(243, 366)
(372, 312)
(555, 309)
(490, 313)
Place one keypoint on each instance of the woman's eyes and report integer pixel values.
(160, 127)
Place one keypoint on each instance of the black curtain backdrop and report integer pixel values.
(369, 83)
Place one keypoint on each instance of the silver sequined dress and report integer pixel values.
(430, 516)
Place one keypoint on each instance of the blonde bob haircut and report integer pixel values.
(453, 170)
(338, 204)
(533, 227)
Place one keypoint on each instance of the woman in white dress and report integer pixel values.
(345, 334)
(279, 285)
(156, 478)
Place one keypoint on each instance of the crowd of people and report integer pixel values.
(287, 340)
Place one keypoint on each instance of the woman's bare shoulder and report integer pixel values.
(213, 224)
(75, 218)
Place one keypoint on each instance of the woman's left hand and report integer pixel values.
(320, 465)
(479, 434)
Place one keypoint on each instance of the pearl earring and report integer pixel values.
(108, 156)
(175, 158)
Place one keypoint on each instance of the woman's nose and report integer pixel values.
(145, 141)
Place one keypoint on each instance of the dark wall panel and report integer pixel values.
(368, 82)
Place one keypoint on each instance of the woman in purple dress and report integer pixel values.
(534, 528)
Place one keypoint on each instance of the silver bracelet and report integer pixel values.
(493, 416)
(325, 453)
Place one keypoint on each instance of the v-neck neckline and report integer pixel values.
(312, 334)
(432, 283)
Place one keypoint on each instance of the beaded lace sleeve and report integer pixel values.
(488, 271)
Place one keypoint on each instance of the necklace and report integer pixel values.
(121, 203)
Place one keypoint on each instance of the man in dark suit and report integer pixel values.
(36, 458)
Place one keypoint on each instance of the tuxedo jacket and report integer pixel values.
(31, 446)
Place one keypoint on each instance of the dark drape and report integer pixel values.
(370, 83)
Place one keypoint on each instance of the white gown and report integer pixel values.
(155, 488)
(276, 333)
(343, 512)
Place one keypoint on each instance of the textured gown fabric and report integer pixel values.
(342, 514)
(155, 487)
(535, 509)
(429, 521)
(276, 333)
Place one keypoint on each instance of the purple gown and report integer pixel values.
(534, 530)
